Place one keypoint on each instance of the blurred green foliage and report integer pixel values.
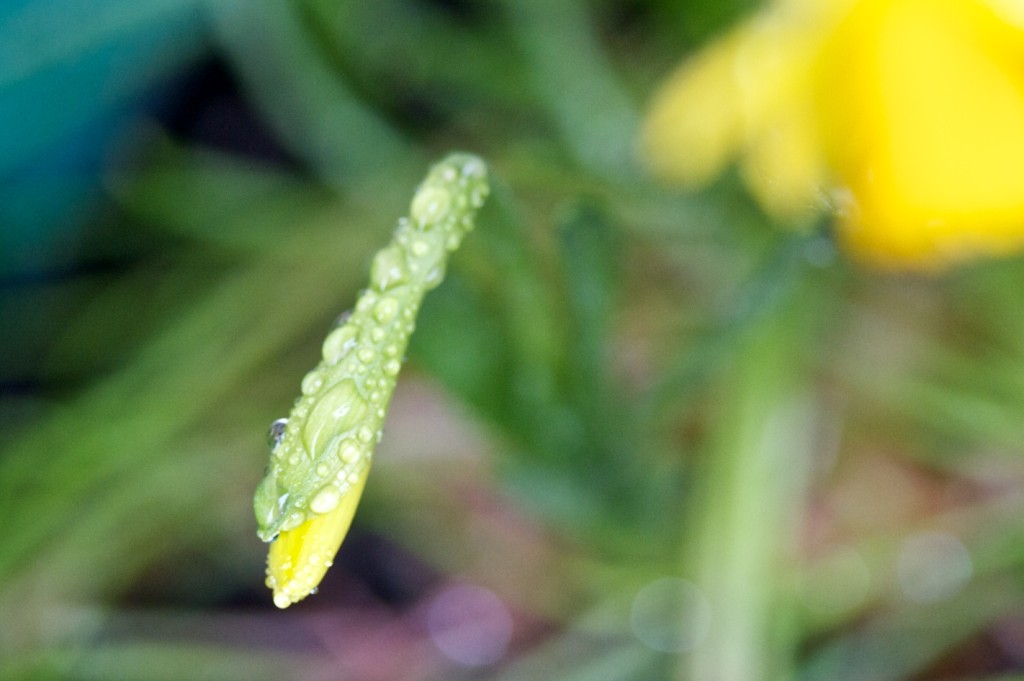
(615, 385)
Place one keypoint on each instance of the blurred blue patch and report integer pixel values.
(74, 74)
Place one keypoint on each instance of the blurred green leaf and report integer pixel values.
(902, 643)
(576, 83)
(309, 103)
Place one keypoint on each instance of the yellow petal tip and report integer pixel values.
(299, 558)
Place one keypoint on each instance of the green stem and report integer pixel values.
(750, 501)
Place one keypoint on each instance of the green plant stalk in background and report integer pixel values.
(321, 454)
(753, 496)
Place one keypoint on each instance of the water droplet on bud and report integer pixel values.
(326, 500)
(276, 433)
(386, 310)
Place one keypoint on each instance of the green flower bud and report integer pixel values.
(324, 449)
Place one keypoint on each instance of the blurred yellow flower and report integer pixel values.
(299, 558)
(907, 115)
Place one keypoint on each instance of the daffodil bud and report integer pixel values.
(321, 455)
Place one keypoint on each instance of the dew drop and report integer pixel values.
(366, 355)
(339, 342)
(276, 433)
(342, 319)
(430, 204)
(392, 367)
(366, 301)
(473, 168)
(281, 600)
(349, 452)
(322, 470)
(377, 335)
(419, 248)
(365, 435)
(326, 500)
(311, 382)
(389, 268)
(385, 310)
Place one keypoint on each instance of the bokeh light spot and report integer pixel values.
(844, 584)
(933, 566)
(470, 625)
(670, 615)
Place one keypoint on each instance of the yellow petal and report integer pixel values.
(784, 166)
(696, 123)
(749, 94)
(1011, 11)
(925, 103)
(299, 558)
